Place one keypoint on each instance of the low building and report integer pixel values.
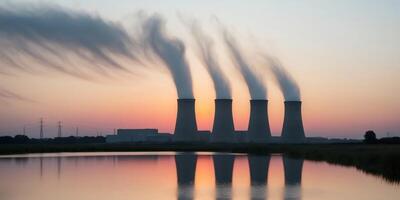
(203, 135)
(136, 135)
(240, 136)
(159, 138)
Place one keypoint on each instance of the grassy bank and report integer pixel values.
(381, 160)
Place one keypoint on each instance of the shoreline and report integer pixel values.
(251, 148)
(377, 159)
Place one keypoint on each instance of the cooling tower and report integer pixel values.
(293, 124)
(258, 130)
(223, 128)
(186, 126)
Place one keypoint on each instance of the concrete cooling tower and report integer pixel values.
(223, 128)
(258, 130)
(293, 130)
(186, 126)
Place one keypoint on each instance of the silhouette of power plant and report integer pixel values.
(259, 130)
(293, 123)
(186, 126)
(223, 130)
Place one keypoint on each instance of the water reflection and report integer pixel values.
(41, 167)
(185, 169)
(181, 176)
(258, 165)
(223, 170)
(293, 170)
(58, 167)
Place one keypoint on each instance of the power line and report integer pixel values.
(59, 129)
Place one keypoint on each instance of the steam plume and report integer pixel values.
(208, 57)
(9, 95)
(287, 84)
(171, 51)
(47, 33)
(256, 88)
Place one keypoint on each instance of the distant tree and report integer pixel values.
(370, 137)
(6, 140)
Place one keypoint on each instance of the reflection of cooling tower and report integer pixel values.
(185, 168)
(293, 169)
(293, 124)
(258, 165)
(259, 130)
(223, 168)
(185, 171)
(258, 169)
(223, 128)
(186, 126)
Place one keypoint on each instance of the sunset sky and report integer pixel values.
(343, 54)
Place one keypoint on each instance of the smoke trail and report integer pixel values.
(9, 95)
(287, 84)
(171, 51)
(208, 57)
(256, 88)
(47, 34)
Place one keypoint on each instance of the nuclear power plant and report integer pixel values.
(223, 128)
(258, 130)
(186, 126)
(293, 130)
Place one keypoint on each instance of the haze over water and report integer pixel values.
(144, 175)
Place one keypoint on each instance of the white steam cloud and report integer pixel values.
(171, 51)
(208, 57)
(256, 87)
(287, 84)
(10, 95)
(46, 34)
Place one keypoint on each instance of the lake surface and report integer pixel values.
(114, 176)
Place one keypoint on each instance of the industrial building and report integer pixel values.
(138, 135)
(223, 130)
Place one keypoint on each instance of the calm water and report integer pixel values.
(114, 176)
